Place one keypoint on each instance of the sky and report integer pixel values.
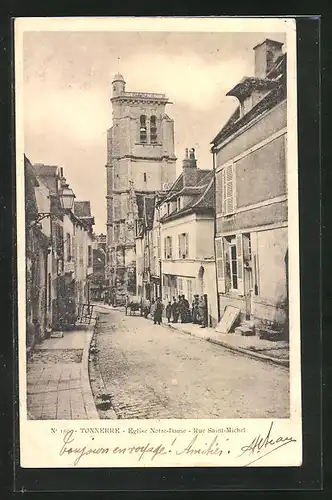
(67, 90)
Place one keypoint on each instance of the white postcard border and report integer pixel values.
(42, 442)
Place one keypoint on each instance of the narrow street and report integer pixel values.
(151, 371)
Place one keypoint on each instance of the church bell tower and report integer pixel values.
(140, 158)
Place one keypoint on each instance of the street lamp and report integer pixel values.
(66, 198)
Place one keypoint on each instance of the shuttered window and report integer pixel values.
(228, 189)
(220, 264)
(168, 247)
(183, 244)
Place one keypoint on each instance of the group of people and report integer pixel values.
(177, 310)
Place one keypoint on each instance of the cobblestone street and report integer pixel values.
(150, 371)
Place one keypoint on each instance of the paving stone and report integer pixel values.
(54, 385)
(155, 372)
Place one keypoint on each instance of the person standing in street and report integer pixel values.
(153, 307)
(157, 316)
(186, 310)
(169, 311)
(202, 311)
(146, 305)
(175, 310)
(195, 313)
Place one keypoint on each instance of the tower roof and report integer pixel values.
(118, 78)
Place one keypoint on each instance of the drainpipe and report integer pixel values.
(215, 228)
(160, 279)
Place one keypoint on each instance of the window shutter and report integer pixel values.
(239, 258)
(219, 194)
(186, 240)
(220, 265)
(223, 191)
(170, 246)
(179, 243)
(229, 189)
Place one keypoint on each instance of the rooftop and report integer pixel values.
(82, 209)
(202, 199)
(275, 82)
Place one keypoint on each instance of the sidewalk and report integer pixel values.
(277, 352)
(58, 384)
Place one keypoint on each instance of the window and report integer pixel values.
(116, 209)
(236, 263)
(89, 256)
(81, 255)
(74, 251)
(158, 247)
(227, 190)
(144, 177)
(178, 203)
(116, 232)
(68, 245)
(168, 208)
(183, 245)
(142, 130)
(168, 247)
(190, 291)
(153, 129)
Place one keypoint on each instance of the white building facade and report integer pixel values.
(187, 238)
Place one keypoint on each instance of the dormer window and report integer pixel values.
(178, 204)
(153, 129)
(142, 130)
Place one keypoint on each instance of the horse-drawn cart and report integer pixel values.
(133, 304)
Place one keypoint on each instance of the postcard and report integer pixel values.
(157, 242)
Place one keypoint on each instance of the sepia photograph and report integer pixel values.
(158, 229)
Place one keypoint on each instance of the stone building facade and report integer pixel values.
(140, 157)
(251, 195)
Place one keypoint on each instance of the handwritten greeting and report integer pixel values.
(181, 445)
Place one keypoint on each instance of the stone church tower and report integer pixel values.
(140, 158)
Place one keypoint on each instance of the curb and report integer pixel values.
(101, 380)
(89, 403)
(241, 350)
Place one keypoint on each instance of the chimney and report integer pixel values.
(186, 161)
(192, 159)
(189, 168)
(266, 54)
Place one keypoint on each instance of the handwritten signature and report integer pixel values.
(263, 444)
